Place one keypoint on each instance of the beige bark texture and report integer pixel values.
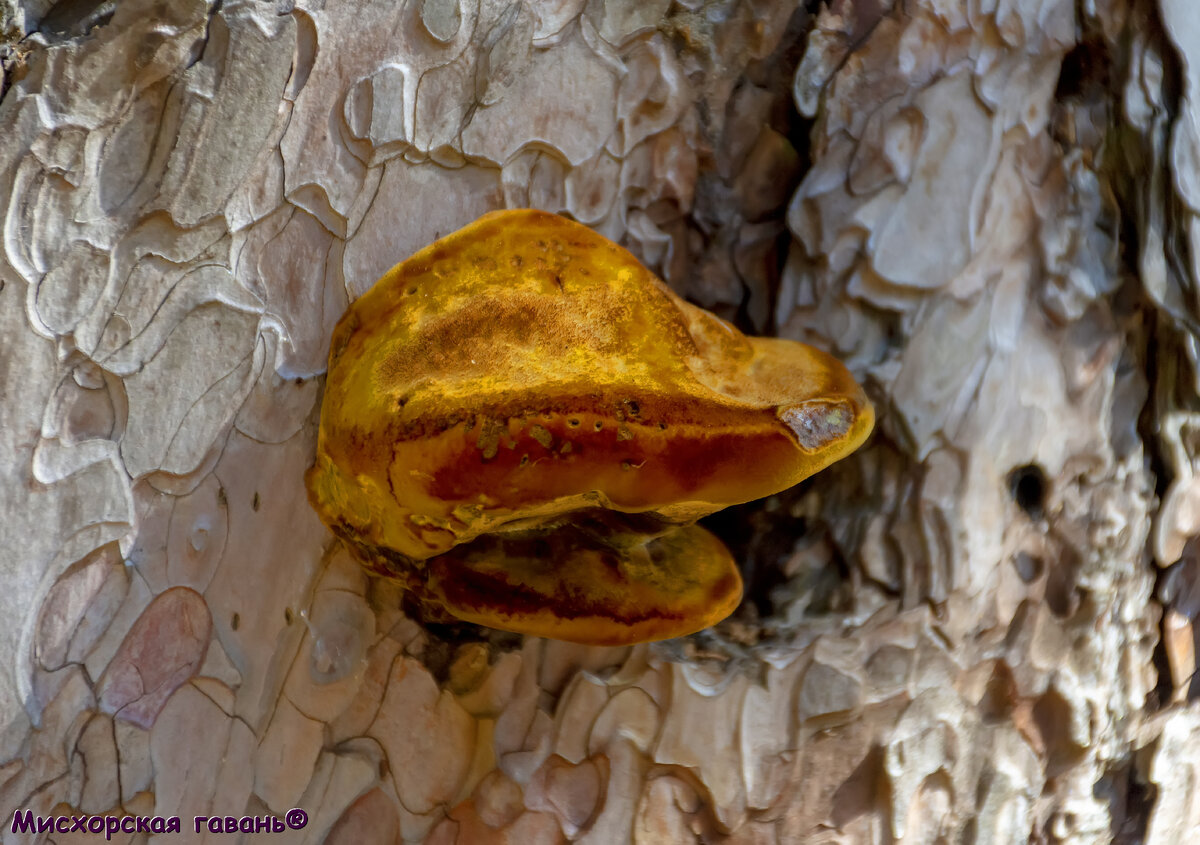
(979, 628)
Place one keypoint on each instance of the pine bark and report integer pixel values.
(977, 628)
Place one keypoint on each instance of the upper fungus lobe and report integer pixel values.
(522, 423)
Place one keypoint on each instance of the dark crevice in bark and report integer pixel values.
(70, 19)
(201, 45)
(1153, 370)
(713, 230)
(1130, 802)
(1158, 337)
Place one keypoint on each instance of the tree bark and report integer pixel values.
(977, 628)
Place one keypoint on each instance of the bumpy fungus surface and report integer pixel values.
(522, 423)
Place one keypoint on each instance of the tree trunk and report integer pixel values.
(977, 628)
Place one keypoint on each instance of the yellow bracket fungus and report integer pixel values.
(521, 423)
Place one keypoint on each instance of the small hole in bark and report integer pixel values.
(1027, 485)
(1029, 567)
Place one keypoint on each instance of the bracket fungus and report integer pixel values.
(522, 425)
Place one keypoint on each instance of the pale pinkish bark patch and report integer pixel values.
(162, 650)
